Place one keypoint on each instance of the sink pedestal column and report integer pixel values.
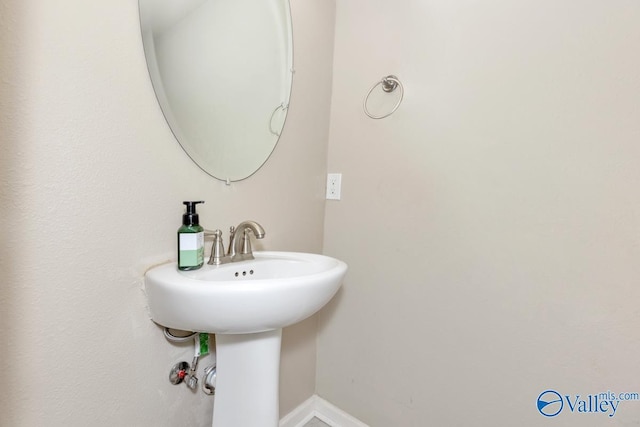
(248, 370)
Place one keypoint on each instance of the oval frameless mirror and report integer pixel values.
(222, 73)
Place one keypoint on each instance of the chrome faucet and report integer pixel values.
(240, 245)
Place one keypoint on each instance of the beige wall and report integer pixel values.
(491, 225)
(91, 191)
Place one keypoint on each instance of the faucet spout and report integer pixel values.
(241, 243)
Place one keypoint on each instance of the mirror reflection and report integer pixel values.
(222, 72)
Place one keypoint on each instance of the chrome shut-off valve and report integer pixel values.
(181, 372)
(178, 373)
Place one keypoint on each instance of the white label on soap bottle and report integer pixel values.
(190, 241)
(191, 249)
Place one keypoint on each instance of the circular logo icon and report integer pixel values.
(550, 403)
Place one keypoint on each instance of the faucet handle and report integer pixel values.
(232, 233)
(209, 233)
(217, 249)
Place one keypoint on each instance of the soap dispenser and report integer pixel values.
(190, 239)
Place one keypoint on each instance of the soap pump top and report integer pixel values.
(191, 217)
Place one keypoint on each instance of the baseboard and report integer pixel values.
(300, 415)
(315, 406)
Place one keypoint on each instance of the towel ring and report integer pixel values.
(389, 84)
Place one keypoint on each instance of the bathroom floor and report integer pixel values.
(315, 422)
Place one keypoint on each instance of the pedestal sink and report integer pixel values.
(246, 304)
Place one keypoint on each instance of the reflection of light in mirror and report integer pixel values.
(220, 70)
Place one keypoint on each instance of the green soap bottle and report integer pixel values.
(190, 240)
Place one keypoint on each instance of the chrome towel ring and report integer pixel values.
(388, 84)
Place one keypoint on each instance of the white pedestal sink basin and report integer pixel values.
(246, 304)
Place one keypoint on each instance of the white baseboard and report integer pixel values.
(315, 406)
